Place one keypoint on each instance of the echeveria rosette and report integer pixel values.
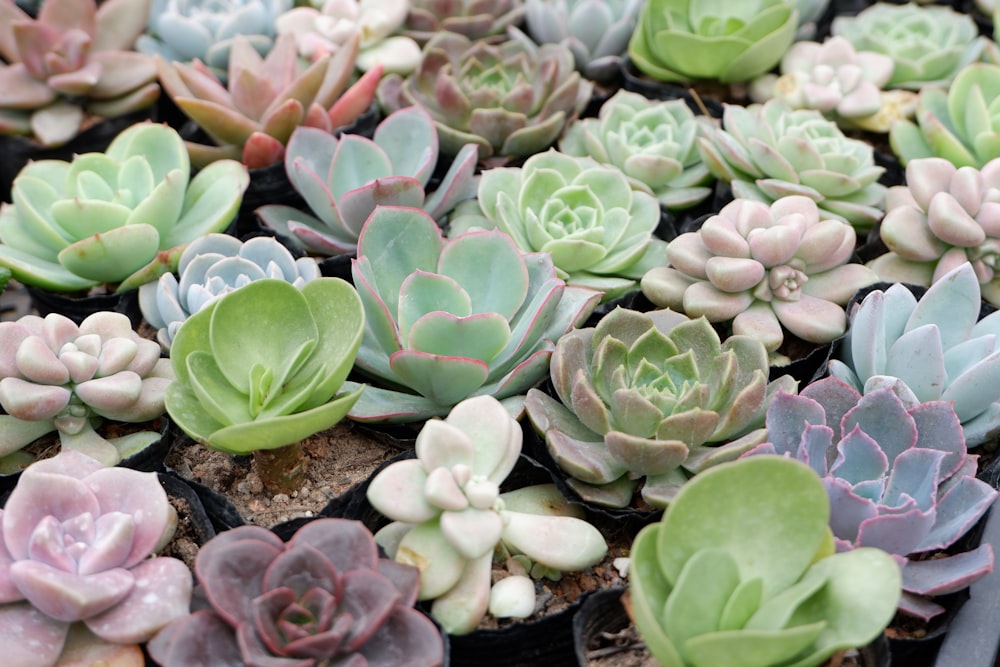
(449, 517)
(937, 345)
(76, 549)
(898, 477)
(474, 19)
(343, 179)
(598, 230)
(739, 572)
(119, 217)
(651, 141)
(511, 99)
(684, 40)
(450, 319)
(323, 596)
(211, 267)
(943, 217)
(650, 395)
(768, 151)
(765, 268)
(56, 375)
(263, 367)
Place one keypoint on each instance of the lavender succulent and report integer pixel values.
(323, 596)
(474, 19)
(76, 549)
(898, 477)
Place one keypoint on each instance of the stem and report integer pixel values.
(282, 469)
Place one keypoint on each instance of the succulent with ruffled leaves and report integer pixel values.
(898, 477)
(343, 179)
(511, 99)
(651, 395)
(719, 581)
(73, 61)
(450, 319)
(474, 19)
(211, 267)
(765, 268)
(449, 516)
(120, 217)
(768, 151)
(252, 116)
(651, 141)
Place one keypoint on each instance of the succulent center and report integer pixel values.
(783, 282)
(985, 260)
(573, 211)
(80, 544)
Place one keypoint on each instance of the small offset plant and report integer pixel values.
(58, 376)
(898, 477)
(935, 345)
(766, 268)
(474, 19)
(446, 320)
(741, 572)
(73, 62)
(211, 267)
(343, 179)
(120, 217)
(261, 369)
(81, 584)
(323, 596)
(651, 141)
(651, 395)
(451, 521)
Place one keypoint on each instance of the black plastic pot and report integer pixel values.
(78, 307)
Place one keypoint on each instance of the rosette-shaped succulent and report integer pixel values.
(211, 267)
(681, 40)
(56, 375)
(446, 320)
(764, 267)
(767, 151)
(76, 541)
(449, 515)
(720, 580)
(511, 99)
(474, 19)
(935, 346)
(117, 217)
(898, 477)
(252, 117)
(72, 62)
(651, 141)
(928, 44)
(324, 597)
(597, 31)
(652, 395)
(958, 124)
(343, 179)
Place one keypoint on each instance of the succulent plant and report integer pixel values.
(183, 30)
(474, 19)
(512, 99)
(343, 180)
(765, 268)
(651, 141)
(73, 61)
(652, 395)
(323, 596)
(119, 217)
(928, 44)
(76, 542)
(682, 40)
(211, 267)
(898, 477)
(439, 324)
(958, 124)
(719, 581)
(449, 516)
(597, 31)
(935, 345)
(56, 375)
(767, 151)
(252, 117)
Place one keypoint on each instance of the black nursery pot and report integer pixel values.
(78, 308)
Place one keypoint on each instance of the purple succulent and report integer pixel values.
(75, 545)
(323, 598)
